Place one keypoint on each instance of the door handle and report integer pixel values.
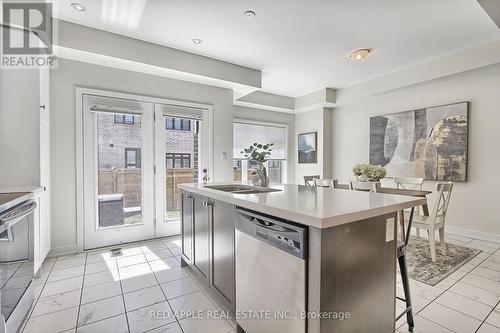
(207, 203)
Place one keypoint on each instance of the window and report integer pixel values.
(237, 164)
(132, 157)
(127, 119)
(175, 161)
(248, 133)
(274, 164)
(178, 124)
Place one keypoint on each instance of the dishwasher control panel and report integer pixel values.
(287, 236)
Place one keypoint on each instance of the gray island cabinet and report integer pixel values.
(207, 241)
(351, 254)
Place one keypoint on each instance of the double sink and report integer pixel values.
(242, 189)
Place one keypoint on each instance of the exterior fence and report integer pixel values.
(274, 174)
(128, 182)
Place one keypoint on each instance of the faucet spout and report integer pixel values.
(262, 173)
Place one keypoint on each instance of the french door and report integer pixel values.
(118, 171)
(182, 152)
(135, 154)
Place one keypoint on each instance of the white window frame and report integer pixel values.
(285, 162)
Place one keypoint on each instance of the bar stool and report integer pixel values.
(401, 255)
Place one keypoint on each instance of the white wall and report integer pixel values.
(62, 89)
(314, 121)
(241, 112)
(474, 204)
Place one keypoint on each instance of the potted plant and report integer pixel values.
(369, 172)
(259, 153)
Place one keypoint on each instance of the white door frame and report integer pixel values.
(79, 105)
(168, 228)
(95, 235)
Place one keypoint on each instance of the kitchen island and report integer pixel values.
(350, 259)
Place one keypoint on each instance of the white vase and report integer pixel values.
(362, 178)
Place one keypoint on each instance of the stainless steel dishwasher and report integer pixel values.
(271, 273)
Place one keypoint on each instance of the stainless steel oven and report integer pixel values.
(16, 259)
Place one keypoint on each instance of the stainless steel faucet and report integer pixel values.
(262, 173)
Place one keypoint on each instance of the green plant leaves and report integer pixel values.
(258, 152)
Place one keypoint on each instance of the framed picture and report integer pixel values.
(431, 143)
(307, 147)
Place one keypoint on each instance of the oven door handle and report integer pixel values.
(10, 221)
(29, 210)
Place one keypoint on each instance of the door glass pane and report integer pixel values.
(119, 169)
(181, 160)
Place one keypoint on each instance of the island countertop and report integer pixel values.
(312, 206)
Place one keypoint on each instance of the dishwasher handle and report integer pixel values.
(265, 221)
(270, 225)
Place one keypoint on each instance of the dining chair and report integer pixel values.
(339, 186)
(437, 218)
(309, 180)
(364, 186)
(324, 182)
(409, 183)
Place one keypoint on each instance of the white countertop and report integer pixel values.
(312, 206)
(32, 189)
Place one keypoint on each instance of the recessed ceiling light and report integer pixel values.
(360, 54)
(197, 41)
(249, 13)
(78, 7)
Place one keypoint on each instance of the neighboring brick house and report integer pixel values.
(120, 141)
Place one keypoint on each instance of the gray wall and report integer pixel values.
(474, 203)
(71, 74)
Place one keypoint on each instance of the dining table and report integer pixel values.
(406, 192)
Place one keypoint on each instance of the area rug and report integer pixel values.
(421, 267)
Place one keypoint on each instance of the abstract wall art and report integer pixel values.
(431, 143)
(307, 147)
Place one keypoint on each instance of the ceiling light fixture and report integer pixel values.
(78, 7)
(360, 54)
(249, 13)
(197, 41)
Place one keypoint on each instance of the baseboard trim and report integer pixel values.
(473, 234)
(62, 250)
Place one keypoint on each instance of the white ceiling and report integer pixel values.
(300, 46)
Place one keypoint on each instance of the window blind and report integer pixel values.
(246, 134)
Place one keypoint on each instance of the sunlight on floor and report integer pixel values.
(139, 260)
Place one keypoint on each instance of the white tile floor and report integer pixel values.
(466, 301)
(93, 292)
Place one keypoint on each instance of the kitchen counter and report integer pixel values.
(31, 189)
(312, 206)
(350, 253)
